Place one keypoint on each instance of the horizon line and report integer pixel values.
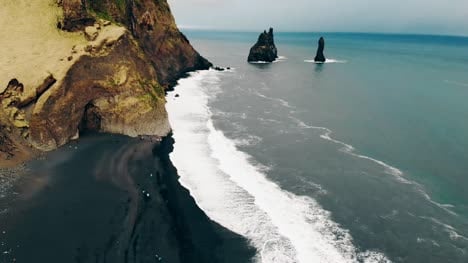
(195, 28)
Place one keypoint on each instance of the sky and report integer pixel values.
(447, 17)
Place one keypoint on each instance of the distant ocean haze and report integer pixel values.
(409, 16)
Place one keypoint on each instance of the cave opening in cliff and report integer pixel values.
(91, 120)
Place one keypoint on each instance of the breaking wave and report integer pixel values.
(397, 173)
(328, 61)
(234, 191)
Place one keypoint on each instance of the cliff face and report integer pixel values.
(154, 27)
(80, 65)
(115, 92)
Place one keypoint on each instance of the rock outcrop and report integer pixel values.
(320, 57)
(104, 67)
(264, 50)
(117, 90)
(75, 15)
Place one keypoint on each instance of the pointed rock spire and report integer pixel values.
(321, 46)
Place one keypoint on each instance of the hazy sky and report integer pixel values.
(405, 16)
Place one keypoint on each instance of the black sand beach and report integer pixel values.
(112, 199)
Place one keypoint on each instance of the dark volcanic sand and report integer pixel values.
(96, 201)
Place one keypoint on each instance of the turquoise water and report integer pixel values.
(378, 138)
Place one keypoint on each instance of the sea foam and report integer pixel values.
(327, 61)
(456, 83)
(279, 59)
(235, 192)
(397, 173)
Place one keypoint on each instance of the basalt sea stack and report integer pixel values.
(265, 49)
(321, 46)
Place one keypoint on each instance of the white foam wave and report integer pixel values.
(327, 61)
(349, 149)
(452, 232)
(236, 193)
(279, 59)
(281, 101)
(445, 207)
(266, 120)
(399, 175)
(259, 62)
(248, 140)
(320, 190)
(456, 83)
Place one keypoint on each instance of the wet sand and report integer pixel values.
(112, 199)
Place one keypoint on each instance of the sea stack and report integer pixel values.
(265, 49)
(321, 46)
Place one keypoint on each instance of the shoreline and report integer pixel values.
(110, 198)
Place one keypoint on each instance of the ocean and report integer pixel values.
(361, 159)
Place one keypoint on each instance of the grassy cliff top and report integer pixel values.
(32, 47)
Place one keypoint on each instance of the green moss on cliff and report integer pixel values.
(102, 15)
(152, 90)
(159, 90)
(98, 8)
(111, 10)
(121, 4)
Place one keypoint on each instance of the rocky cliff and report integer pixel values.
(320, 57)
(74, 65)
(152, 24)
(265, 49)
